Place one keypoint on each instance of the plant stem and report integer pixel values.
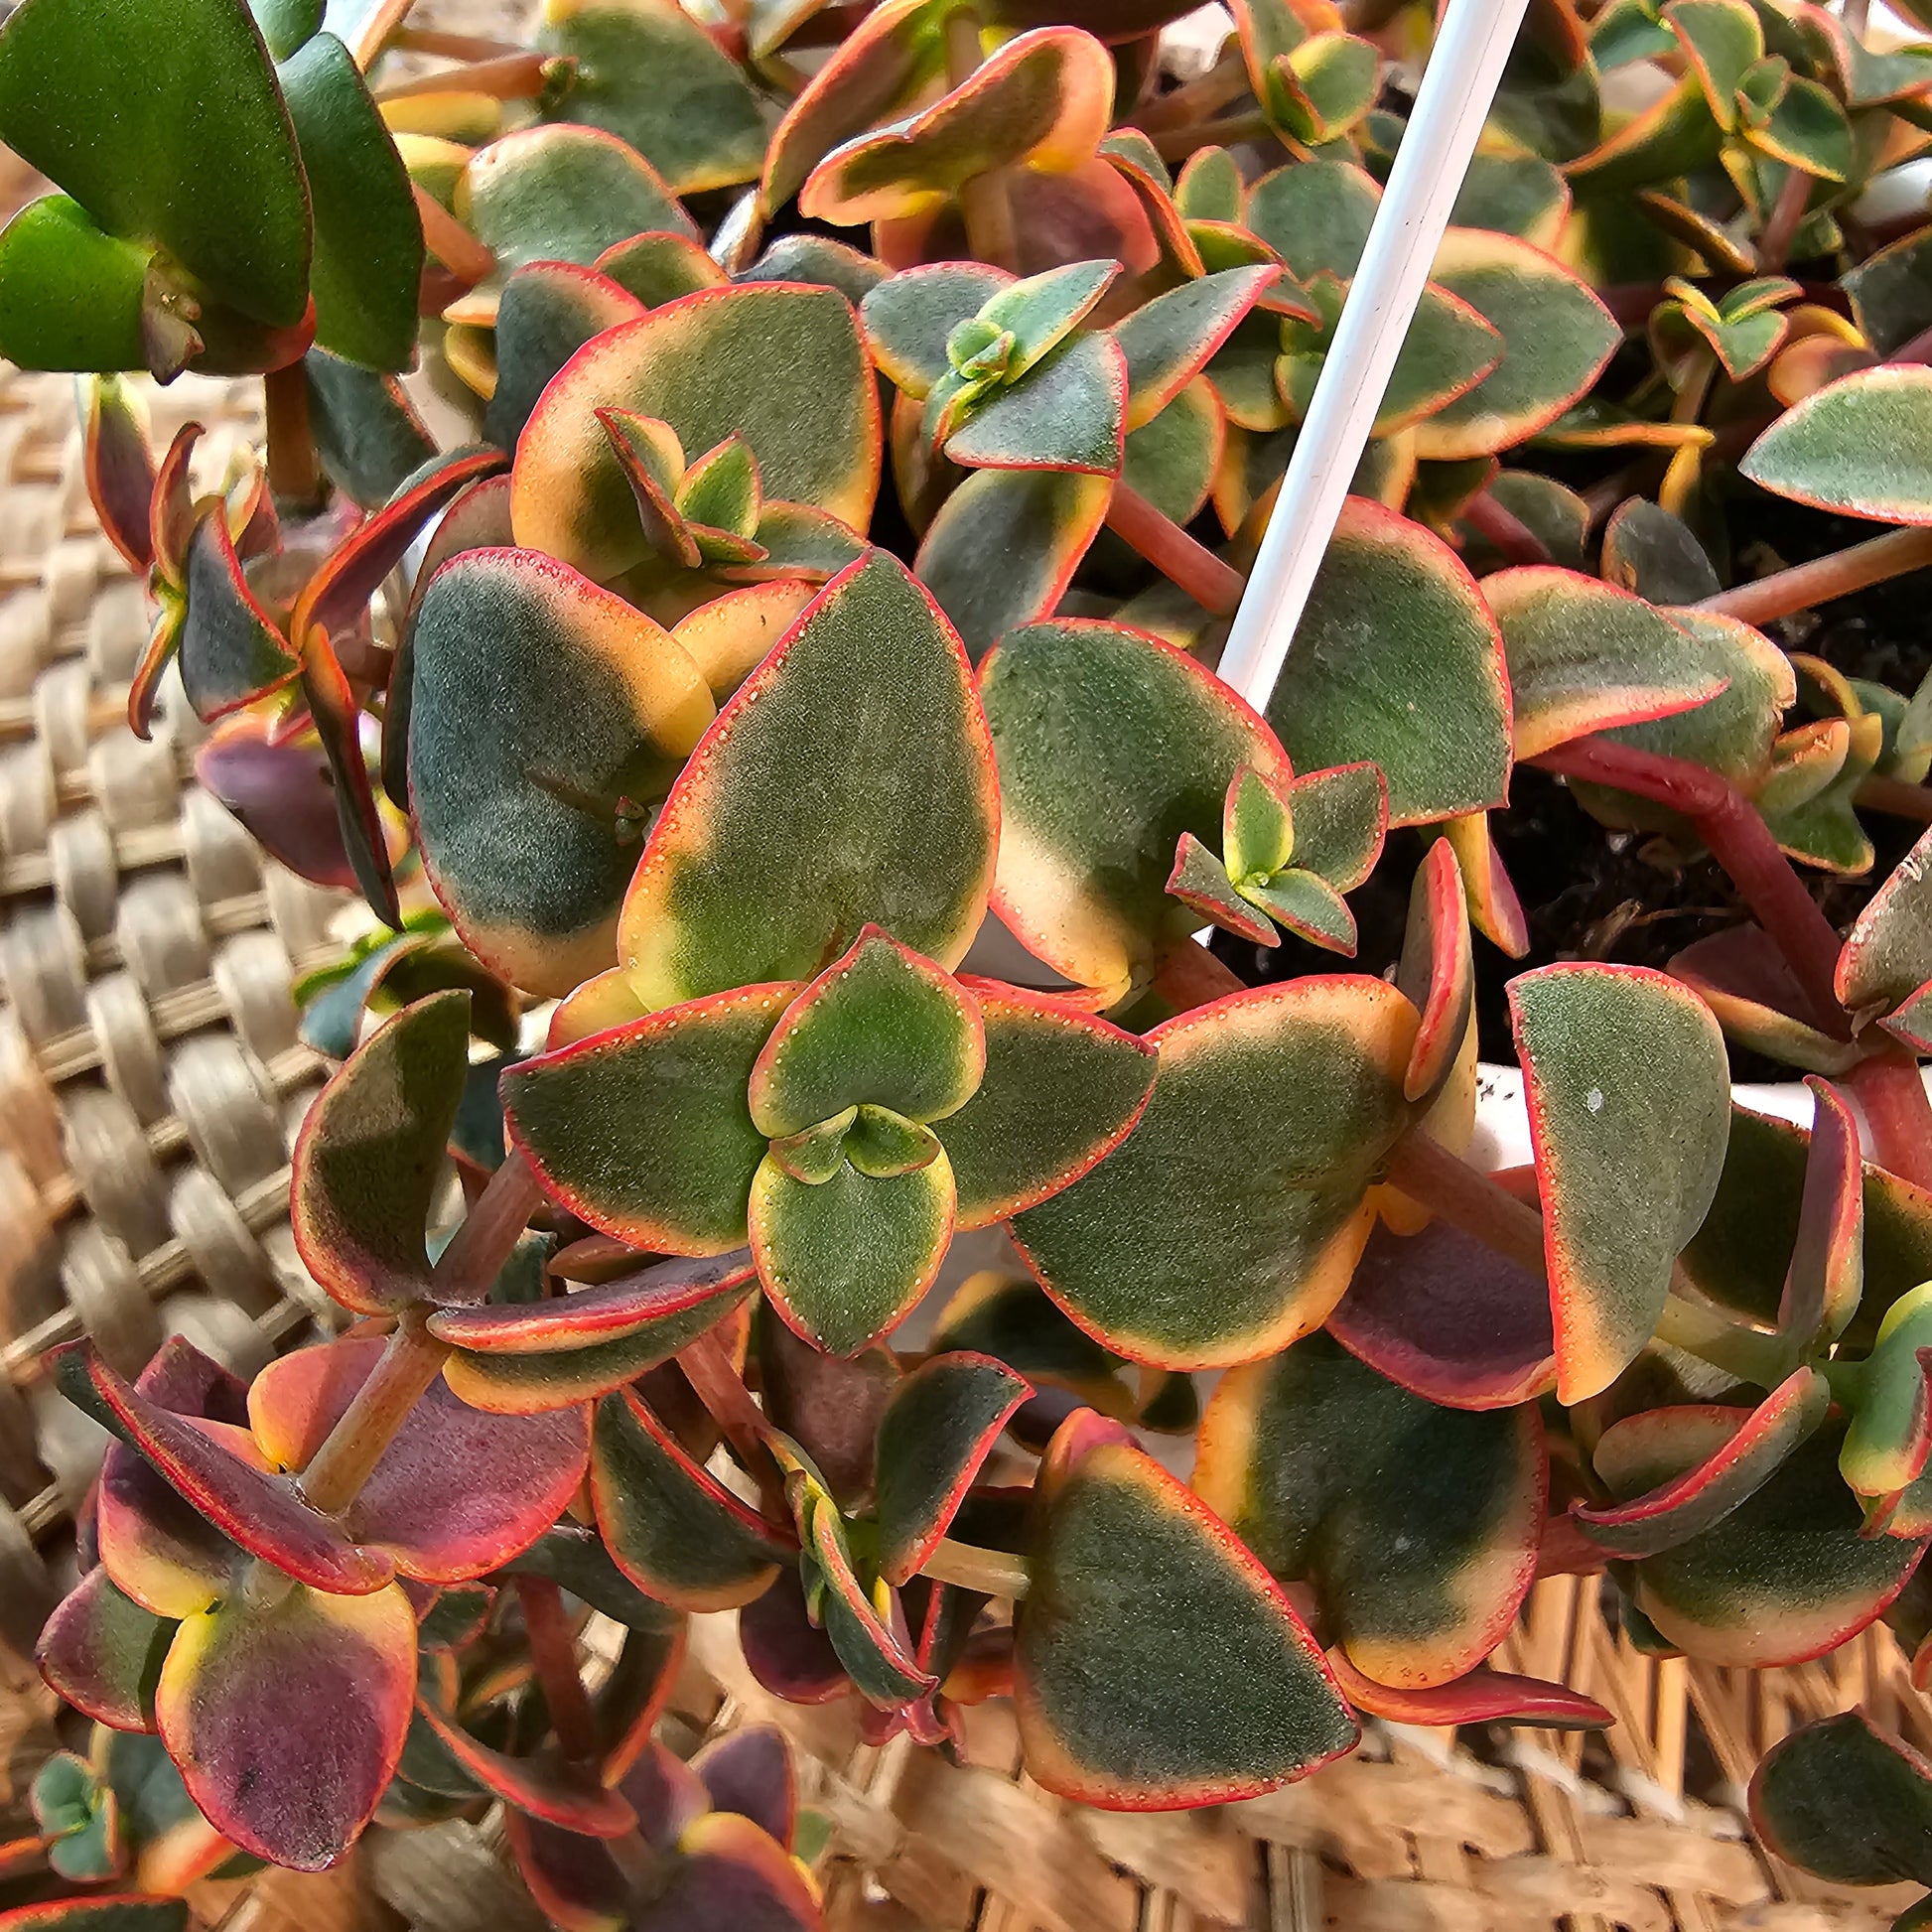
(1856, 14)
(1189, 976)
(555, 1655)
(1787, 217)
(1199, 99)
(1178, 143)
(993, 1572)
(1740, 841)
(709, 1368)
(1214, 584)
(452, 46)
(1504, 531)
(1469, 1199)
(506, 76)
(1857, 568)
(489, 1232)
(1896, 797)
(450, 241)
(1891, 1091)
(294, 471)
(984, 199)
(338, 1470)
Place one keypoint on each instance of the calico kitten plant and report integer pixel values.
(876, 415)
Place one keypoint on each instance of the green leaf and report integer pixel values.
(782, 367)
(644, 1131)
(1172, 460)
(1169, 340)
(1887, 955)
(1628, 1092)
(1038, 522)
(367, 432)
(548, 312)
(202, 161)
(909, 319)
(1170, 1252)
(542, 702)
(1158, 1664)
(367, 266)
(1513, 194)
(1320, 89)
(1111, 744)
(102, 1652)
(1419, 1536)
(812, 811)
(670, 1526)
(1657, 555)
(1862, 444)
(1437, 654)
(1584, 657)
(652, 76)
(231, 650)
(1724, 41)
(70, 297)
(1068, 413)
(659, 268)
(1846, 1802)
(1316, 215)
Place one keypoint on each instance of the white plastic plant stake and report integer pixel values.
(1465, 68)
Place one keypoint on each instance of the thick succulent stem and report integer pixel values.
(1857, 568)
(1896, 797)
(450, 241)
(1178, 143)
(993, 1572)
(1214, 584)
(1469, 1199)
(294, 470)
(489, 1232)
(338, 1470)
(513, 75)
(555, 1654)
(1787, 217)
(985, 200)
(1740, 841)
(709, 1368)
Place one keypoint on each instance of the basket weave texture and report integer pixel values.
(151, 1082)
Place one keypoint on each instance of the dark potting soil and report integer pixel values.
(1589, 893)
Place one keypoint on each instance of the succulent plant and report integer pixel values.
(873, 436)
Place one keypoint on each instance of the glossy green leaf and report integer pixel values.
(1172, 1253)
(70, 297)
(1420, 1539)
(541, 701)
(808, 815)
(1628, 1092)
(1157, 1663)
(203, 162)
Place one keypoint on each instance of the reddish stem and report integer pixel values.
(1504, 531)
(1470, 1199)
(1891, 1092)
(336, 1473)
(294, 471)
(507, 76)
(1214, 584)
(450, 241)
(554, 1653)
(489, 1232)
(1787, 217)
(1855, 568)
(712, 1373)
(1896, 797)
(1740, 841)
(1189, 976)
(452, 47)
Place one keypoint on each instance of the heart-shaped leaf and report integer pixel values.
(1709, 1490)
(287, 1720)
(368, 238)
(1821, 450)
(204, 160)
(1129, 1251)
(540, 700)
(1110, 744)
(102, 1652)
(457, 1493)
(672, 1528)
(1038, 522)
(809, 813)
(1628, 1092)
(939, 1426)
(370, 1155)
(1420, 1540)
(1336, 704)
(652, 76)
(782, 367)
(1584, 656)
(1157, 1663)
(1846, 1801)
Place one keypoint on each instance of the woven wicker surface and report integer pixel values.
(150, 1084)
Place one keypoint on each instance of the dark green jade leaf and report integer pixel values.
(166, 125)
(1061, 1091)
(1170, 1252)
(1846, 1802)
(287, 1720)
(780, 365)
(370, 1155)
(367, 432)
(1437, 653)
(547, 707)
(812, 810)
(1628, 1091)
(1822, 452)
(670, 1526)
(368, 238)
(70, 297)
(1157, 1663)
(939, 1426)
(1111, 745)
(1417, 1526)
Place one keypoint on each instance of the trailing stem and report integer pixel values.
(1214, 584)
(710, 1370)
(339, 1469)
(1786, 592)
(554, 1652)
(985, 200)
(1895, 797)
(294, 470)
(489, 1232)
(992, 1572)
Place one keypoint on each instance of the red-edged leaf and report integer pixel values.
(233, 651)
(730, 1874)
(1482, 1697)
(1438, 969)
(102, 1652)
(750, 1772)
(587, 1316)
(543, 1786)
(118, 462)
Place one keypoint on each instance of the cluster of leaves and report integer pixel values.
(803, 600)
